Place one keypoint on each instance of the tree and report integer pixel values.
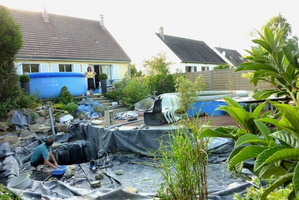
(134, 72)
(157, 65)
(10, 43)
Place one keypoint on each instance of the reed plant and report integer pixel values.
(183, 159)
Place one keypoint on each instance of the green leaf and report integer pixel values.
(262, 157)
(282, 154)
(246, 153)
(257, 111)
(264, 44)
(265, 131)
(287, 138)
(249, 138)
(281, 180)
(296, 180)
(264, 94)
(214, 133)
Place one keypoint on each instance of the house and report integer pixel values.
(56, 43)
(231, 57)
(186, 55)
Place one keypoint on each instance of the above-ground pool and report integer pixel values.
(49, 84)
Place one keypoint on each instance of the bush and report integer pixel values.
(135, 91)
(24, 78)
(103, 76)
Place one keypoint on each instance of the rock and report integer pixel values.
(100, 175)
(4, 126)
(61, 128)
(14, 141)
(96, 183)
(26, 134)
(43, 113)
(39, 128)
(119, 172)
(131, 189)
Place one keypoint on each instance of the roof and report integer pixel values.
(65, 37)
(191, 51)
(233, 56)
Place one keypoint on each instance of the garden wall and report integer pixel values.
(225, 79)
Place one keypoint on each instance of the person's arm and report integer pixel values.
(53, 159)
(48, 163)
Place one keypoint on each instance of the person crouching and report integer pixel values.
(43, 155)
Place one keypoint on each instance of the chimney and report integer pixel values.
(161, 33)
(45, 15)
(102, 22)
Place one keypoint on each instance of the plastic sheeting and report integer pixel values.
(112, 149)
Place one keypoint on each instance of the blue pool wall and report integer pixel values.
(49, 84)
(207, 102)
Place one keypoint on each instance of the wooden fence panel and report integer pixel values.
(225, 79)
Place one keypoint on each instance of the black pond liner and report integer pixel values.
(112, 150)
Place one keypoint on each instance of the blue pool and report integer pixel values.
(49, 84)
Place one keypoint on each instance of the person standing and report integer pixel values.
(90, 82)
(43, 155)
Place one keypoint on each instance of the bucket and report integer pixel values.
(20, 182)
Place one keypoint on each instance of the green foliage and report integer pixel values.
(275, 63)
(103, 76)
(71, 107)
(11, 42)
(6, 194)
(184, 160)
(134, 91)
(188, 91)
(134, 72)
(23, 100)
(256, 192)
(65, 96)
(161, 83)
(117, 93)
(10, 37)
(24, 78)
(157, 65)
(223, 66)
(255, 140)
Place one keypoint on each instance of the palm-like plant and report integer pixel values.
(274, 63)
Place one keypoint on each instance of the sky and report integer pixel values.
(133, 23)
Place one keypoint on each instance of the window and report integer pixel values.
(65, 68)
(203, 68)
(30, 68)
(188, 69)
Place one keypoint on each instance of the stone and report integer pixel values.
(39, 128)
(100, 175)
(131, 189)
(119, 172)
(95, 183)
(4, 126)
(61, 128)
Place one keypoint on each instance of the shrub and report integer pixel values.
(135, 91)
(103, 76)
(24, 78)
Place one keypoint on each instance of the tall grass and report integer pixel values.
(184, 160)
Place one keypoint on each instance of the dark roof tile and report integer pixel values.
(66, 37)
(191, 51)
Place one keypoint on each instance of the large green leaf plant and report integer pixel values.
(271, 141)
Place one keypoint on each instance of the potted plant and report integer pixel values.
(103, 80)
(24, 81)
